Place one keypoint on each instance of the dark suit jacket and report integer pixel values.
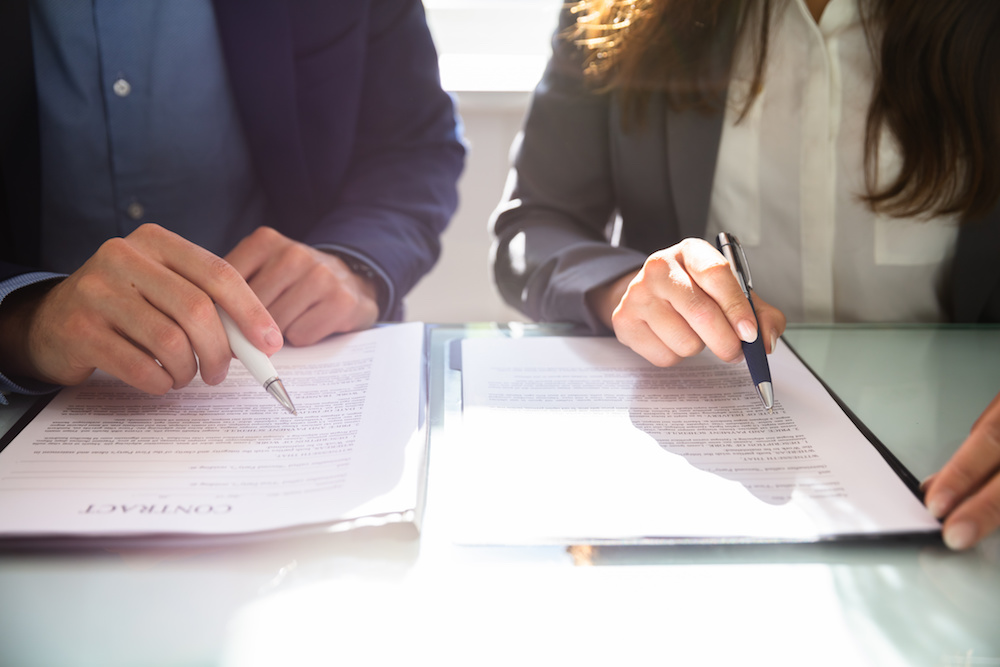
(352, 138)
(575, 170)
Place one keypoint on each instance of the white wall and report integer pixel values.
(492, 53)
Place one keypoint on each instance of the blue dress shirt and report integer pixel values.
(137, 125)
(119, 84)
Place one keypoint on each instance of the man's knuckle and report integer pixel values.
(299, 256)
(222, 272)
(323, 279)
(151, 229)
(265, 234)
(115, 246)
(146, 374)
(172, 340)
(93, 285)
(200, 309)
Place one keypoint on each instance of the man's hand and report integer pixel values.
(966, 491)
(142, 308)
(683, 299)
(311, 294)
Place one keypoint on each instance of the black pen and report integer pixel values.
(760, 372)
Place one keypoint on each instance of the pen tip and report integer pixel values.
(766, 394)
(277, 389)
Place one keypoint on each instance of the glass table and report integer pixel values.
(385, 596)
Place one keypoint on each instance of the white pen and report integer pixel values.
(256, 362)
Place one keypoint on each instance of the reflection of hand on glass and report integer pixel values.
(966, 491)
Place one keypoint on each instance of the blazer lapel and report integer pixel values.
(257, 41)
(692, 149)
(664, 172)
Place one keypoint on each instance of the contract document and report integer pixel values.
(105, 460)
(580, 440)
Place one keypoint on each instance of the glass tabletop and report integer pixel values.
(383, 597)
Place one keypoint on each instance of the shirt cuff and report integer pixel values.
(8, 386)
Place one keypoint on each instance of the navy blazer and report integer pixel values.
(575, 169)
(352, 138)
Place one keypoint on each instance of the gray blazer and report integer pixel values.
(575, 171)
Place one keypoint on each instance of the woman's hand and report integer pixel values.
(966, 491)
(683, 299)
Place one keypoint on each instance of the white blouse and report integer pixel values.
(790, 174)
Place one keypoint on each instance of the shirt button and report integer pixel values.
(135, 210)
(122, 88)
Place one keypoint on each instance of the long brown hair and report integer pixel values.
(936, 89)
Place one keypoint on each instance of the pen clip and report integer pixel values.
(729, 245)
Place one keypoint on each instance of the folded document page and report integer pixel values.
(105, 460)
(580, 440)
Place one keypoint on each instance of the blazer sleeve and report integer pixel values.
(400, 188)
(551, 229)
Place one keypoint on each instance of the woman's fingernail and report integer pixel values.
(274, 338)
(940, 503)
(774, 339)
(748, 332)
(960, 536)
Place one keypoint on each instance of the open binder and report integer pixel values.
(103, 463)
(578, 440)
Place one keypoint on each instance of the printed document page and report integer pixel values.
(105, 459)
(581, 440)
